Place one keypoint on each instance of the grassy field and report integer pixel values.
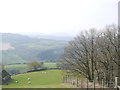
(50, 65)
(50, 79)
(24, 67)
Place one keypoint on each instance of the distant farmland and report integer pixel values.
(24, 67)
(6, 46)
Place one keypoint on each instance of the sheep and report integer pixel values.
(16, 81)
(29, 82)
(28, 79)
(43, 72)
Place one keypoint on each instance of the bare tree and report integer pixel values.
(94, 54)
(80, 54)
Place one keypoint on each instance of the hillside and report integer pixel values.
(6, 46)
(24, 48)
(41, 79)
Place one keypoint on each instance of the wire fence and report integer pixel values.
(82, 82)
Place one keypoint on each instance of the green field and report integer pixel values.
(50, 79)
(24, 67)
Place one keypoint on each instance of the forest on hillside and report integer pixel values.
(29, 49)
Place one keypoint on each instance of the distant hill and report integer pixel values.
(24, 48)
(56, 36)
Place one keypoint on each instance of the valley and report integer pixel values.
(21, 49)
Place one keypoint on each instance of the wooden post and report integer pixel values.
(94, 83)
(77, 82)
(116, 82)
(87, 83)
(81, 83)
(63, 79)
(66, 78)
(102, 84)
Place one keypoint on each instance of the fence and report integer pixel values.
(82, 82)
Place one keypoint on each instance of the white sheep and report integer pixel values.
(29, 82)
(29, 79)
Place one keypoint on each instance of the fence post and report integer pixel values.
(77, 82)
(80, 83)
(87, 84)
(94, 83)
(102, 84)
(116, 82)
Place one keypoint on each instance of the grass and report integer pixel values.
(50, 65)
(52, 79)
(11, 57)
(24, 67)
(20, 67)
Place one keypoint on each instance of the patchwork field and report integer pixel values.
(41, 79)
(24, 67)
(6, 46)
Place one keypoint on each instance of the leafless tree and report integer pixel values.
(94, 54)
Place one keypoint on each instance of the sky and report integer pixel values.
(56, 16)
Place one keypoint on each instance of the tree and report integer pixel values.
(94, 54)
(34, 65)
(81, 53)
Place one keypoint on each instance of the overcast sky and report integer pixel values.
(56, 16)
